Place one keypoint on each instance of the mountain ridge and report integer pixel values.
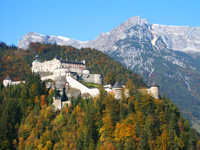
(132, 21)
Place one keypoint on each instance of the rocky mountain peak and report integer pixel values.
(136, 21)
(179, 38)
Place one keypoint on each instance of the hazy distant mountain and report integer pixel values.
(169, 55)
(182, 38)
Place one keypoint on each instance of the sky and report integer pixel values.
(84, 19)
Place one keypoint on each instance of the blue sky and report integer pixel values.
(84, 19)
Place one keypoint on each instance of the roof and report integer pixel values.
(7, 78)
(117, 85)
(71, 62)
(154, 84)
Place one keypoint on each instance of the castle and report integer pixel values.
(8, 81)
(58, 68)
(70, 73)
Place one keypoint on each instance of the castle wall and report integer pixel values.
(73, 66)
(57, 103)
(76, 70)
(48, 77)
(75, 84)
(92, 78)
(10, 82)
(66, 102)
(86, 71)
(60, 81)
(46, 66)
(98, 78)
(117, 92)
(17, 82)
(60, 72)
(51, 65)
(155, 92)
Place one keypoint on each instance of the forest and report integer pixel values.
(29, 121)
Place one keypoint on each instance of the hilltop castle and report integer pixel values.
(72, 72)
(58, 68)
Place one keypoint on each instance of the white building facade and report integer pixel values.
(60, 68)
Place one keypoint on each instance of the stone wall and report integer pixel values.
(92, 78)
(75, 84)
(17, 82)
(118, 93)
(47, 77)
(153, 91)
(59, 104)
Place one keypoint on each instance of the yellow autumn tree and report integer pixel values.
(107, 130)
(124, 132)
(163, 141)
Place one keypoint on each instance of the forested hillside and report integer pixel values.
(12, 63)
(29, 121)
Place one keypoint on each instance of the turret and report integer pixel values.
(7, 81)
(117, 90)
(86, 71)
(36, 61)
(155, 90)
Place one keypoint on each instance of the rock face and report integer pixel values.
(168, 55)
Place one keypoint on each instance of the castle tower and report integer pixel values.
(7, 81)
(58, 101)
(64, 96)
(86, 71)
(155, 90)
(34, 64)
(117, 90)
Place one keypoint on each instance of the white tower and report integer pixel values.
(117, 89)
(155, 90)
(7, 81)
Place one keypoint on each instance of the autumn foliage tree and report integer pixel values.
(43, 101)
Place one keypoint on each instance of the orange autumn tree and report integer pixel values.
(21, 143)
(43, 101)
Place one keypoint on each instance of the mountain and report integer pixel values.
(168, 55)
(181, 38)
